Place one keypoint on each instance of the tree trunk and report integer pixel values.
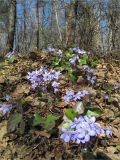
(37, 23)
(25, 25)
(11, 29)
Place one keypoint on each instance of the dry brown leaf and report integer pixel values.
(12, 79)
(116, 132)
(42, 133)
(116, 121)
(35, 102)
(21, 89)
(3, 131)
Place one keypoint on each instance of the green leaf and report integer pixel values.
(14, 121)
(96, 112)
(85, 57)
(73, 77)
(49, 123)
(118, 147)
(68, 53)
(82, 61)
(12, 59)
(70, 113)
(38, 120)
(94, 63)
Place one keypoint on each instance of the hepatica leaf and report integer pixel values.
(73, 77)
(50, 121)
(84, 59)
(47, 123)
(96, 112)
(14, 121)
(94, 63)
(70, 113)
(38, 120)
(12, 59)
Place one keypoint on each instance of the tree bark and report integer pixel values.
(11, 29)
(37, 23)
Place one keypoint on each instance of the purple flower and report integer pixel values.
(50, 49)
(55, 85)
(88, 69)
(80, 95)
(108, 132)
(10, 54)
(7, 97)
(91, 79)
(82, 129)
(57, 75)
(85, 67)
(74, 59)
(69, 96)
(41, 77)
(5, 108)
(67, 134)
(47, 76)
(78, 50)
(59, 53)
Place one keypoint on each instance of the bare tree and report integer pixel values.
(12, 22)
(114, 19)
(37, 23)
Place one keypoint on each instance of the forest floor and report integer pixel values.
(20, 140)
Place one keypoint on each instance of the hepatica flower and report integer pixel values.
(88, 69)
(91, 79)
(80, 95)
(59, 53)
(78, 50)
(82, 129)
(74, 59)
(5, 108)
(71, 96)
(7, 97)
(55, 86)
(67, 134)
(50, 49)
(42, 77)
(10, 54)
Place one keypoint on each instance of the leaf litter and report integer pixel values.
(38, 142)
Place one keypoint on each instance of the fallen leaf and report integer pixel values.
(43, 133)
(21, 89)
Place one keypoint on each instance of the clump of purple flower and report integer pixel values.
(50, 49)
(71, 96)
(89, 76)
(82, 129)
(10, 54)
(5, 108)
(41, 77)
(78, 50)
